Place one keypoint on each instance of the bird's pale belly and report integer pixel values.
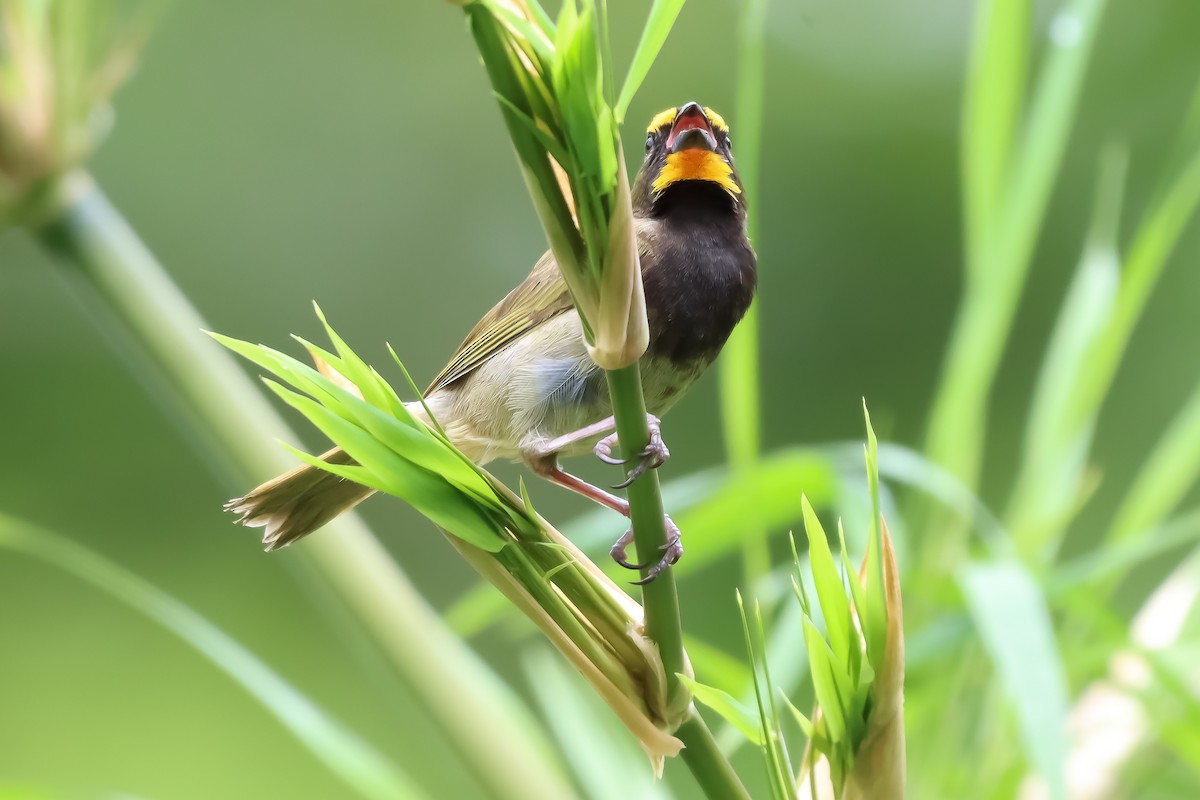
(541, 387)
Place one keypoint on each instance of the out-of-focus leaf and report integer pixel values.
(1057, 441)
(1165, 477)
(728, 707)
(363, 768)
(1013, 621)
(658, 25)
(718, 668)
(596, 745)
(995, 89)
(1121, 556)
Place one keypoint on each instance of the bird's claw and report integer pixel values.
(653, 456)
(672, 551)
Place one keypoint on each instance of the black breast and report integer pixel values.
(699, 275)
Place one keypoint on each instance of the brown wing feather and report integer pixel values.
(541, 296)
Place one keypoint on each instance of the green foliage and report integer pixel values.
(1012, 618)
(362, 767)
(552, 82)
(1010, 165)
(584, 614)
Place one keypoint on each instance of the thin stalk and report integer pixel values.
(471, 706)
(706, 761)
(741, 409)
(659, 598)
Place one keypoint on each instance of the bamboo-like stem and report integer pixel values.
(741, 408)
(659, 598)
(492, 732)
(706, 761)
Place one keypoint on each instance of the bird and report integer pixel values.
(522, 386)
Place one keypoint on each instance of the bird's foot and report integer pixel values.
(653, 456)
(672, 551)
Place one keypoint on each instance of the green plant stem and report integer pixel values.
(706, 761)
(741, 407)
(659, 598)
(471, 706)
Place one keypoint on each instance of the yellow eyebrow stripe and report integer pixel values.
(667, 117)
(662, 118)
(716, 119)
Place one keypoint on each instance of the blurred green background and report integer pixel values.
(275, 153)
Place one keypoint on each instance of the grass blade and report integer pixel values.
(1165, 477)
(995, 89)
(361, 766)
(1058, 435)
(728, 707)
(658, 25)
(1013, 621)
(593, 742)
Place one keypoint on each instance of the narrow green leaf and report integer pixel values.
(658, 24)
(778, 775)
(831, 592)
(718, 667)
(728, 707)
(820, 659)
(1058, 435)
(803, 721)
(430, 494)
(859, 594)
(363, 768)
(597, 747)
(1120, 556)
(995, 89)
(1165, 477)
(1011, 617)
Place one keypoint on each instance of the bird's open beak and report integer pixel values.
(691, 131)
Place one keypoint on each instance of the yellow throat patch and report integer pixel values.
(696, 165)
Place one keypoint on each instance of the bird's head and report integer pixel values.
(688, 159)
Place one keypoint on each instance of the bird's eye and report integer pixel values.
(729, 142)
(649, 142)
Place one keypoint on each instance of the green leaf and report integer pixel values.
(728, 707)
(718, 667)
(803, 721)
(996, 77)
(1058, 435)
(427, 492)
(874, 614)
(825, 685)
(780, 774)
(1164, 478)
(596, 746)
(362, 767)
(1118, 558)
(1011, 617)
(831, 592)
(658, 24)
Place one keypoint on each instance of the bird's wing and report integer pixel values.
(540, 297)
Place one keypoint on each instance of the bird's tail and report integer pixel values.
(298, 502)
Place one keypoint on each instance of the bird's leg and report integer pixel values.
(672, 552)
(542, 458)
(546, 465)
(653, 456)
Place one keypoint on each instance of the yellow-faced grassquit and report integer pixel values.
(522, 386)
